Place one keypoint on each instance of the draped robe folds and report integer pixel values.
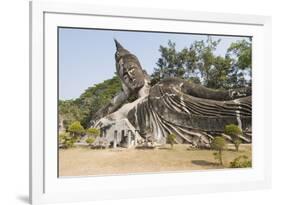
(194, 113)
(169, 108)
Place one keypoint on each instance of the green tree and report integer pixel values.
(171, 139)
(241, 67)
(169, 64)
(206, 60)
(218, 144)
(196, 63)
(242, 51)
(234, 131)
(91, 100)
(69, 111)
(218, 73)
(199, 64)
(76, 129)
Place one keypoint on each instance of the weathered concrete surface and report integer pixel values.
(193, 112)
(169, 109)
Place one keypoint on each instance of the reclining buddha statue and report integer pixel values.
(194, 113)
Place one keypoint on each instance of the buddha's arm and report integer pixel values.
(212, 94)
(111, 107)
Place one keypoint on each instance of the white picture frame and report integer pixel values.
(46, 187)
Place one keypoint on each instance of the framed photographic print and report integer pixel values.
(129, 102)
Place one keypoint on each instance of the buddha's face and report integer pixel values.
(129, 69)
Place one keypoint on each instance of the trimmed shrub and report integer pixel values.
(218, 144)
(76, 129)
(171, 139)
(241, 162)
(66, 140)
(94, 132)
(90, 140)
(234, 131)
(237, 143)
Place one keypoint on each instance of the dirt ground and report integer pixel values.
(83, 161)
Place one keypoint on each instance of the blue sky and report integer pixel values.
(86, 56)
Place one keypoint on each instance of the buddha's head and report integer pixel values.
(129, 68)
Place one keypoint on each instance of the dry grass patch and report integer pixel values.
(81, 161)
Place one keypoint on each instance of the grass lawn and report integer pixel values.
(81, 161)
